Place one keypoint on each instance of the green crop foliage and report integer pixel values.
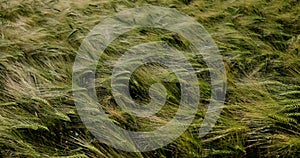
(260, 43)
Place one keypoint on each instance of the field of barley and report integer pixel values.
(259, 41)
